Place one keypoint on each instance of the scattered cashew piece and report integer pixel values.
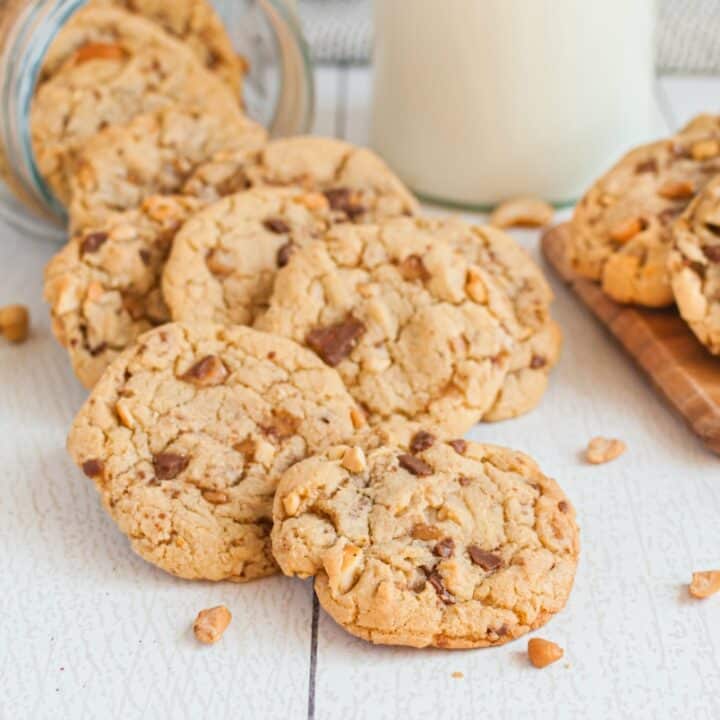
(15, 323)
(210, 624)
(705, 583)
(543, 652)
(603, 450)
(522, 212)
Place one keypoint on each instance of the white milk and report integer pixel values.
(476, 101)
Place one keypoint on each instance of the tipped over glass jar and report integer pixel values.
(277, 86)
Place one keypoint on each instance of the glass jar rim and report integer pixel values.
(27, 41)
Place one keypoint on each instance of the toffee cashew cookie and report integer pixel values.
(539, 338)
(415, 329)
(137, 68)
(153, 154)
(455, 545)
(224, 261)
(621, 230)
(196, 23)
(103, 287)
(187, 433)
(695, 266)
(359, 186)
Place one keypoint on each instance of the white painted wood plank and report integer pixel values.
(689, 95)
(88, 629)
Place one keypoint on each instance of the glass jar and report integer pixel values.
(476, 102)
(278, 90)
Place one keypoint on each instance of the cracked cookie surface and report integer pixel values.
(196, 23)
(103, 287)
(458, 545)
(135, 68)
(224, 261)
(185, 437)
(359, 186)
(695, 266)
(416, 330)
(621, 230)
(153, 154)
(538, 336)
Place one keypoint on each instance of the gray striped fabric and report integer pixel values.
(688, 33)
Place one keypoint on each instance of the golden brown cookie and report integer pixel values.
(196, 23)
(153, 154)
(454, 545)
(357, 183)
(136, 68)
(416, 329)
(186, 435)
(621, 230)
(103, 287)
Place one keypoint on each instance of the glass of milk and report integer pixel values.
(476, 101)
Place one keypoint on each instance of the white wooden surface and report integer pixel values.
(89, 630)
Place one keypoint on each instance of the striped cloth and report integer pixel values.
(688, 32)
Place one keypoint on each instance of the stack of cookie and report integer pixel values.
(283, 355)
(649, 229)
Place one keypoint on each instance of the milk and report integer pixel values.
(476, 101)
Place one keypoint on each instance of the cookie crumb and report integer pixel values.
(458, 675)
(210, 624)
(603, 450)
(543, 652)
(528, 212)
(15, 323)
(704, 584)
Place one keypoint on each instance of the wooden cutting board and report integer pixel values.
(659, 341)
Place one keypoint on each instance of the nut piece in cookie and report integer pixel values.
(210, 624)
(186, 435)
(432, 549)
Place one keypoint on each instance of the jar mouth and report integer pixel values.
(27, 44)
(280, 86)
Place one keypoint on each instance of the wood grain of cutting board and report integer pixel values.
(660, 342)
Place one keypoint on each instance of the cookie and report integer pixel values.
(695, 266)
(137, 68)
(621, 230)
(415, 329)
(223, 263)
(703, 122)
(359, 185)
(187, 433)
(103, 287)
(153, 154)
(196, 23)
(538, 336)
(458, 545)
